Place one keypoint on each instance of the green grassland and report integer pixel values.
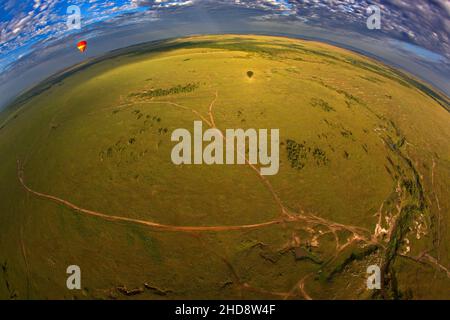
(361, 145)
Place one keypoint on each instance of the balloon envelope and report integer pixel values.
(82, 46)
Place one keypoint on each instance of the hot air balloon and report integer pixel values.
(82, 46)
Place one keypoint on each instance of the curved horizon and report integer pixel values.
(36, 43)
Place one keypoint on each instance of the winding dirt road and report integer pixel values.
(146, 223)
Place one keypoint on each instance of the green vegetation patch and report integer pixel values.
(299, 153)
(322, 104)
(162, 92)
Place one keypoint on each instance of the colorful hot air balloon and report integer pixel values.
(82, 46)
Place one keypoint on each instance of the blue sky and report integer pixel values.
(414, 33)
(30, 22)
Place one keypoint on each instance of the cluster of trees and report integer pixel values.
(322, 104)
(160, 92)
(125, 144)
(320, 157)
(298, 154)
(163, 130)
(346, 133)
